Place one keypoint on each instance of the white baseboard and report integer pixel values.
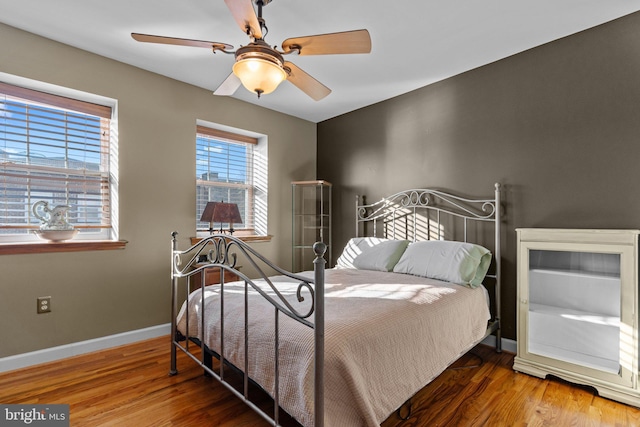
(61, 352)
(18, 361)
(507, 344)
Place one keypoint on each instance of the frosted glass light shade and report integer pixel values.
(259, 75)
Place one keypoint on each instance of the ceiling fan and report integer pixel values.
(259, 67)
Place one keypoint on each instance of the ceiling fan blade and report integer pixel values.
(305, 82)
(245, 15)
(229, 86)
(357, 41)
(148, 38)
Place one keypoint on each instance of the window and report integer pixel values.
(231, 167)
(58, 150)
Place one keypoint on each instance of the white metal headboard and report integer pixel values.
(426, 214)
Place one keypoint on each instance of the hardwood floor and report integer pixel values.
(129, 386)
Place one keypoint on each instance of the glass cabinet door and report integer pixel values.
(577, 309)
(311, 220)
(574, 307)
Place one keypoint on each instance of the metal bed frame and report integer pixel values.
(403, 214)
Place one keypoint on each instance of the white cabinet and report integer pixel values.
(577, 308)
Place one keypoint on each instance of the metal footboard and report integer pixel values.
(221, 252)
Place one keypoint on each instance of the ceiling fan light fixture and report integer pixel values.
(259, 75)
(259, 70)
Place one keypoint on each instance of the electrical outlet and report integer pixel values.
(44, 305)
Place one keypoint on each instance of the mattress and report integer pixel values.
(387, 335)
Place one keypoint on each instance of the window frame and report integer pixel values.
(256, 229)
(62, 98)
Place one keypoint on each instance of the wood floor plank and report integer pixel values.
(130, 386)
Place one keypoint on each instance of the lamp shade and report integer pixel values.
(226, 212)
(259, 75)
(207, 213)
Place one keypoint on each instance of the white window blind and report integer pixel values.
(54, 149)
(225, 172)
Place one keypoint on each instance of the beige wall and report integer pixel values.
(558, 125)
(101, 293)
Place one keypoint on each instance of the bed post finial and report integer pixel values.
(319, 248)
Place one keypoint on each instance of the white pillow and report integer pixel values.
(455, 262)
(371, 253)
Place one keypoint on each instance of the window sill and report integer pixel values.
(249, 238)
(74, 246)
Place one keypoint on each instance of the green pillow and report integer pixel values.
(455, 262)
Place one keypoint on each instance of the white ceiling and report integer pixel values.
(414, 42)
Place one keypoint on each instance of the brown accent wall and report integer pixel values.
(557, 125)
